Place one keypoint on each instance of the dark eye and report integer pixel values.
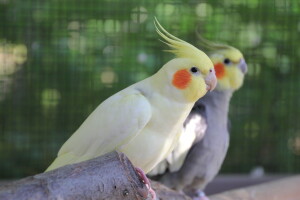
(227, 61)
(194, 70)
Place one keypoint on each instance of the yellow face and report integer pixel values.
(191, 79)
(197, 87)
(230, 68)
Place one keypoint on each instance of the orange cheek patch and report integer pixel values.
(181, 79)
(220, 70)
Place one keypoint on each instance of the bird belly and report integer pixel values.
(148, 148)
(153, 143)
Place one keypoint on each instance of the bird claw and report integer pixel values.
(153, 194)
(146, 181)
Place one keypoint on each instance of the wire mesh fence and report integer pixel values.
(59, 59)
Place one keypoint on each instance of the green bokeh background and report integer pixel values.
(59, 59)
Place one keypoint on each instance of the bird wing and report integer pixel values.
(196, 122)
(113, 123)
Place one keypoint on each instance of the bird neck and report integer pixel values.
(216, 107)
(217, 101)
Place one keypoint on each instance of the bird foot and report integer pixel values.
(146, 181)
(200, 195)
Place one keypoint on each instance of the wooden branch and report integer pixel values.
(287, 189)
(111, 176)
(165, 193)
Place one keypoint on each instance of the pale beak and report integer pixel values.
(243, 66)
(211, 80)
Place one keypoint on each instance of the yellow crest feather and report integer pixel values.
(209, 45)
(212, 47)
(179, 47)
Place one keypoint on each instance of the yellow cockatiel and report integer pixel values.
(144, 120)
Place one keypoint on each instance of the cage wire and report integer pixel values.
(60, 59)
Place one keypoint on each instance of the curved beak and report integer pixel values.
(211, 80)
(243, 66)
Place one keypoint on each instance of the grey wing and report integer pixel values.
(202, 162)
(196, 122)
(193, 131)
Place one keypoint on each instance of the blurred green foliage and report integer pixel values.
(59, 59)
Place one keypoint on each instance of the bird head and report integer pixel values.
(229, 64)
(230, 67)
(191, 74)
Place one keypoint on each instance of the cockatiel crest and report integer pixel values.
(183, 49)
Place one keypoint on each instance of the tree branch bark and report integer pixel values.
(108, 177)
(111, 176)
(165, 193)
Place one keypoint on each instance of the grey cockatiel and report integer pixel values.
(201, 150)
